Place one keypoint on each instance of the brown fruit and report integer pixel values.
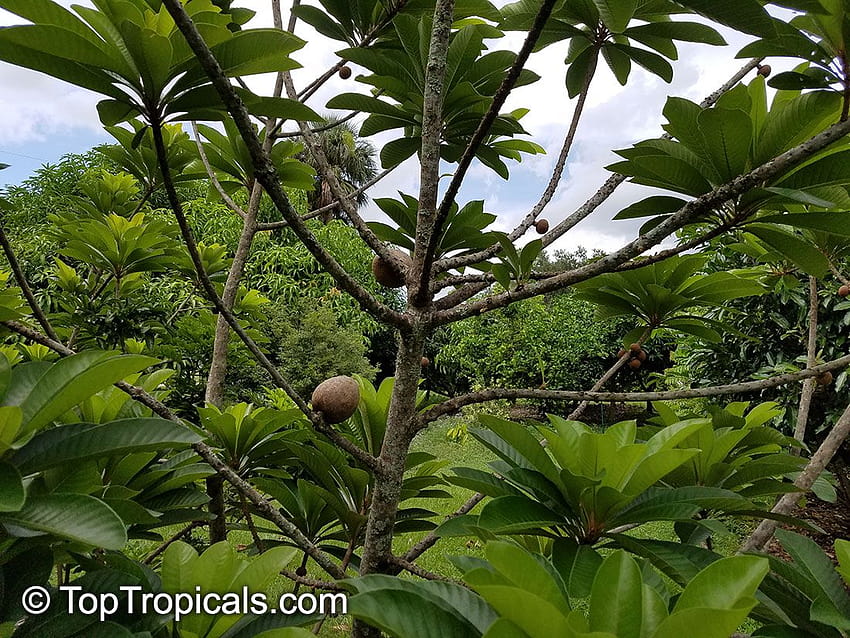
(301, 571)
(824, 379)
(425, 362)
(386, 274)
(542, 226)
(634, 364)
(844, 291)
(764, 70)
(336, 398)
(621, 353)
(635, 347)
(641, 355)
(345, 72)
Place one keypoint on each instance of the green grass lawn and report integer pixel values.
(469, 453)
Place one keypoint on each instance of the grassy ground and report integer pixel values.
(470, 453)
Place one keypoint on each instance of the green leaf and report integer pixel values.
(12, 494)
(650, 61)
(796, 250)
(616, 601)
(651, 206)
(577, 564)
(684, 31)
(727, 136)
(740, 576)
(75, 517)
(395, 152)
(833, 223)
(81, 441)
(113, 112)
(72, 380)
(793, 81)
(616, 14)
(409, 609)
(578, 71)
(742, 15)
(515, 514)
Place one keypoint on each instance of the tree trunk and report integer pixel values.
(218, 366)
(377, 547)
(218, 525)
(811, 360)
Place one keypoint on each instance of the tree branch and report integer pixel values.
(316, 212)
(21, 279)
(820, 459)
(478, 137)
(328, 175)
(312, 583)
(431, 539)
(687, 214)
(188, 238)
(416, 570)
(594, 202)
(811, 359)
(266, 174)
(443, 265)
(494, 394)
(576, 414)
(204, 451)
(236, 208)
(427, 226)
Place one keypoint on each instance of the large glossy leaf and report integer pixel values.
(82, 441)
(793, 248)
(403, 608)
(12, 494)
(616, 600)
(44, 393)
(76, 517)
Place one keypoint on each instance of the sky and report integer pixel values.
(42, 119)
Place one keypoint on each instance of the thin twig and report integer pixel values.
(236, 208)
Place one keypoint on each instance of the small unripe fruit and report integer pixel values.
(641, 355)
(844, 291)
(336, 398)
(824, 379)
(635, 347)
(634, 364)
(621, 353)
(425, 362)
(301, 571)
(386, 273)
(764, 70)
(542, 226)
(345, 72)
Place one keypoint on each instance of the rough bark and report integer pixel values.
(811, 359)
(218, 366)
(427, 227)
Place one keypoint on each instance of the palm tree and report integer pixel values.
(351, 158)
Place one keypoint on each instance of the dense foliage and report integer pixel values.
(172, 300)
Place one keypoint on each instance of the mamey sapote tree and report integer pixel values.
(438, 89)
